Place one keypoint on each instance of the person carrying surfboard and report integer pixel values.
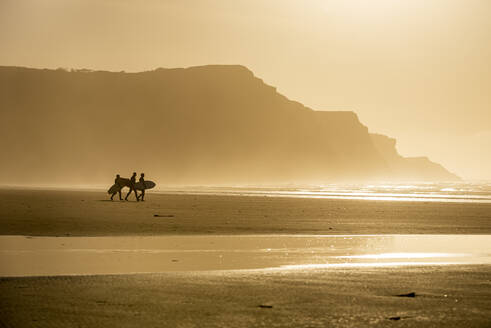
(117, 182)
(132, 187)
(142, 181)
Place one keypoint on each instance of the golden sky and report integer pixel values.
(416, 70)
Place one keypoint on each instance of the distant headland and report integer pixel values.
(216, 124)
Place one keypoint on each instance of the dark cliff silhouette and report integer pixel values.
(199, 125)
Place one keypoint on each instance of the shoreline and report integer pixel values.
(277, 192)
(88, 213)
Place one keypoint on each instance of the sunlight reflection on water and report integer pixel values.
(29, 256)
(455, 192)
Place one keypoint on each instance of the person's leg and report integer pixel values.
(129, 192)
(120, 198)
(142, 195)
(136, 195)
(112, 196)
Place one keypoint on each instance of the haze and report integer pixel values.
(418, 71)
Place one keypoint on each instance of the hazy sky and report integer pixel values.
(417, 70)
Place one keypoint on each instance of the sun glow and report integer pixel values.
(359, 8)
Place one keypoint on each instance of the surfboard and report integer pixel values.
(113, 189)
(148, 185)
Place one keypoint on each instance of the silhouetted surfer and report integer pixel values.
(117, 181)
(142, 180)
(132, 187)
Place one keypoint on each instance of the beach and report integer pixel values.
(91, 213)
(444, 295)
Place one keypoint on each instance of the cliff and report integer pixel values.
(409, 168)
(199, 125)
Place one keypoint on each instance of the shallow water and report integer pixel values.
(40, 256)
(448, 192)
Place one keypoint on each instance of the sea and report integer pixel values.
(457, 192)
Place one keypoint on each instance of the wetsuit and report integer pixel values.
(132, 187)
(116, 181)
(142, 195)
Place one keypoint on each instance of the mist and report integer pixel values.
(417, 71)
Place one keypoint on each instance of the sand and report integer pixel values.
(84, 213)
(446, 296)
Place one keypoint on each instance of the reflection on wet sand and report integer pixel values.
(37, 256)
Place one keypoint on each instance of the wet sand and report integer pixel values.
(84, 213)
(446, 296)
(363, 297)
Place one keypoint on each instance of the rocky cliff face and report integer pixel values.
(200, 125)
